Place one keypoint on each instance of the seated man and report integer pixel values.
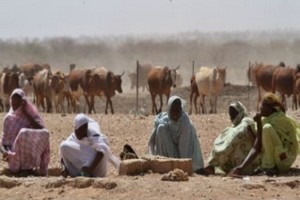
(86, 152)
(276, 141)
(234, 143)
(174, 135)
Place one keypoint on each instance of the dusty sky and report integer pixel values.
(75, 18)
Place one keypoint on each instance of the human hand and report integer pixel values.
(257, 117)
(23, 106)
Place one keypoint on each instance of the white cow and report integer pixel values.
(210, 81)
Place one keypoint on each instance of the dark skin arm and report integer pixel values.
(256, 149)
(33, 123)
(251, 133)
(90, 169)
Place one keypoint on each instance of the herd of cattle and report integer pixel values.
(276, 78)
(51, 91)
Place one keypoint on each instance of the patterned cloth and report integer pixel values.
(175, 139)
(232, 146)
(27, 148)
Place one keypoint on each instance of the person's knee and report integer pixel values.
(161, 128)
(23, 131)
(268, 130)
(64, 147)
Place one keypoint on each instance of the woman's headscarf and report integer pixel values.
(242, 112)
(273, 101)
(29, 107)
(171, 101)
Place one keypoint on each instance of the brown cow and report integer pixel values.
(160, 82)
(251, 73)
(283, 82)
(264, 76)
(296, 96)
(59, 85)
(102, 82)
(9, 81)
(76, 84)
(194, 91)
(194, 94)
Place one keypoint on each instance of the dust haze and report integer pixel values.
(120, 53)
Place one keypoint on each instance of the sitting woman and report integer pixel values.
(234, 143)
(276, 142)
(175, 136)
(86, 152)
(25, 140)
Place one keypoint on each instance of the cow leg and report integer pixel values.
(153, 96)
(88, 103)
(161, 103)
(106, 106)
(211, 105)
(191, 105)
(42, 103)
(93, 103)
(283, 100)
(215, 106)
(49, 105)
(111, 107)
(202, 103)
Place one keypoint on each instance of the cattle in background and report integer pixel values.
(251, 73)
(26, 85)
(60, 87)
(9, 81)
(76, 82)
(30, 69)
(283, 82)
(43, 90)
(210, 81)
(296, 95)
(160, 83)
(100, 81)
(194, 94)
(264, 77)
(143, 74)
(67, 95)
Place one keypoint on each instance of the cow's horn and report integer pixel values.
(177, 67)
(122, 73)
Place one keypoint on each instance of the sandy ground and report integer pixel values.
(123, 128)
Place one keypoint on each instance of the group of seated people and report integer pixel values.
(266, 143)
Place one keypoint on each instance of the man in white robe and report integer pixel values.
(86, 152)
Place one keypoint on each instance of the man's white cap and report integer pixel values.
(80, 120)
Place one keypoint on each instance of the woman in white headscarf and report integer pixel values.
(25, 140)
(175, 136)
(232, 146)
(86, 152)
